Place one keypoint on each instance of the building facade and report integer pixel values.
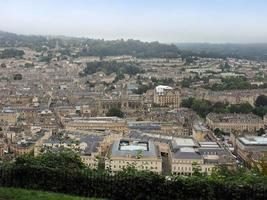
(143, 155)
(166, 96)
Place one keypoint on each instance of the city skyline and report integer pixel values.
(218, 21)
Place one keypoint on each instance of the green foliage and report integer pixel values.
(29, 65)
(65, 159)
(47, 58)
(111, 67)
(17, 77)
(196, 168)
(219, 133)
(241, 108)
(220, 107)
(260, 111)
(22, 194)
(186, 82)
(187, 102)
(142, 89)
(132, 184)
(165, 81)
(3, 65)
(11, 53)
(232, 83)
(261, 100)
(261, 132)
(115, 112)
(240, 51)
(203, 107)
(129, 47)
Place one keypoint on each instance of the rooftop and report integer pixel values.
(160, 89)
(179, 142)
(253, 140)
(132, 148)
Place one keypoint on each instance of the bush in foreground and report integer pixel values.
(21, 194)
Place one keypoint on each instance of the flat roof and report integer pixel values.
(184, 141)
(254, 140)
(132, 151)
(187, 149)
(133, 145)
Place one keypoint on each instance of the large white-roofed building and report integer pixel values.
(144, 155)
(166, 96)
(249, 146)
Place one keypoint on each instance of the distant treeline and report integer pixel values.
(242, 51)
(129, 47)
(11, 53)
(92, 47)
(97, 47)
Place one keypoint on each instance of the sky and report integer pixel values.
(168, 21)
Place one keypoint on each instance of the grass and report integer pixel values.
(21, 194)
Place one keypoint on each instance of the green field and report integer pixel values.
(21, 194)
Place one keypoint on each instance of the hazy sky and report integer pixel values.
(217, 21)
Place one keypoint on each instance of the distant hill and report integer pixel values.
(245, 51)
(14, 40)
(92, 47)
(97, 47)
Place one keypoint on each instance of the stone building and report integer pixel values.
(95, 123)
(251, 149)
(166, 96)
(144, 155)
(234, 122)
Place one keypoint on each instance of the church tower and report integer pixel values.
(124, 96)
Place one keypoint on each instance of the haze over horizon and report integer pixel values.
(170, 21)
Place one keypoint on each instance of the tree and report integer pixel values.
(261, 132)
(29, 65)
(246, 108)
(115, 112)
(187, 103)
(219, 133)
(3, 65)
(65, 159)
(220, 107)
(11, 53)
(260, 111)
(17, 77)
(241, 108)
(111, 67)
(202, 107)
(261, 100)
(196, 168)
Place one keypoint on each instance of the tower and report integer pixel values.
(124, 96)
